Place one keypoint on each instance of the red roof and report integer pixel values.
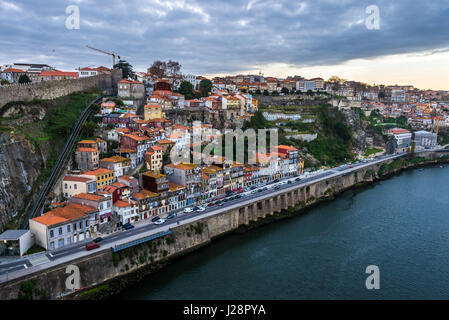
(86, 150)
(89, 196)
(57, 73)
(14, 70)
(131, 81)
(97, 172)
(77, 179)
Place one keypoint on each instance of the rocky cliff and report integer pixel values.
(20, 167)
(31, 137)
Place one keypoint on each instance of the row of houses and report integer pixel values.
(100, 197)
(44, 72)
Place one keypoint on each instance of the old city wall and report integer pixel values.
(47, 90)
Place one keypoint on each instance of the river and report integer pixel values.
(400, 225)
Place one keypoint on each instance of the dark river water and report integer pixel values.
(400, 225)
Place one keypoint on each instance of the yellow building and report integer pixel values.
(153, 158)
(232, 102)
(102, 176)
(152, 112)
(255, 105)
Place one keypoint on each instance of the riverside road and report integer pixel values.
(17, 267)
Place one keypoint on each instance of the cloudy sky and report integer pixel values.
(213, 37)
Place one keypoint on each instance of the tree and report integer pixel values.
(158, 68)
(205, 87)
(336, 81)
(24, 79)
(258, 91)
(266, 93)
(186, 88)
(118, 102)
(4, 82)
(127, 69)
(173, 68)
(284, 90)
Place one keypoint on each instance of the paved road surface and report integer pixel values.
(15, 268)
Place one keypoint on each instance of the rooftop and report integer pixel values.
(77, 179)
(89, 196)
(12, 234)
(98, 172)
(63, 214)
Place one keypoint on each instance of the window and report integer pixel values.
(60, 231)
(68, 228)
(87, 223)
(60, 243)
(65, 185)
(74, 186)
(81, 224)
(74, 226)
(51, 234)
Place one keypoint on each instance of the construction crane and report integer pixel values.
(438, 124)
(435, 116)
(113, 54)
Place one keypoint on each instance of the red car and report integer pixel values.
(91, 246)
(351, 166)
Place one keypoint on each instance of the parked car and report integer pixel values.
(219, 203)
(253, 187)
(160, 221)
(212, 204)
(238, 196)
(351, 166)
(187, 210)
(128, 226)
(91, 246)
(96, 240)
(201, 208)
(254, 191)
(171, 215)
(298, 179)
(277, 188)
(289, 181)
(156, 218)
(196, 208)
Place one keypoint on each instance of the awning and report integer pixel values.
(106, 215)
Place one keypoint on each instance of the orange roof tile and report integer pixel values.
(64, 214)
(86, 150)
(97, 172)
(89, 196)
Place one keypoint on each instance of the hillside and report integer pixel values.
(324, 135)
(32, 135)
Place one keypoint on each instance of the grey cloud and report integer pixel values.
(209, 36)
